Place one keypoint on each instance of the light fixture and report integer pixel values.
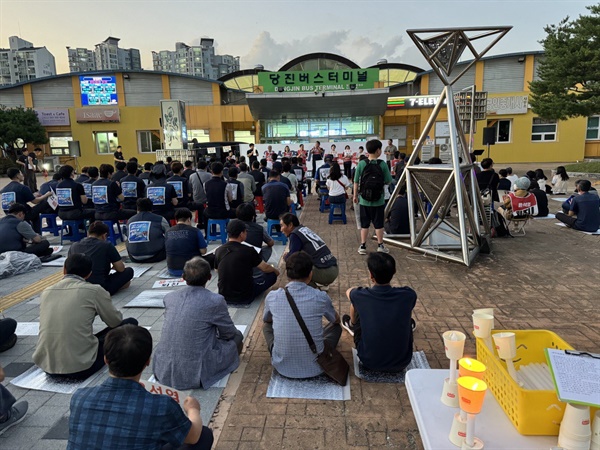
(471, 393)
(468, 367)
(126, 76)
(521, 59)
(454, 344)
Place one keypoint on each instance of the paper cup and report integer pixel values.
(489, 311)
(458, 432)
(482, 325)
(450, 394)
(506, 345)
(454, 344)
(469, 367)
(596, 432)
(575, 430)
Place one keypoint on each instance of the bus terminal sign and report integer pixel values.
(322, 80)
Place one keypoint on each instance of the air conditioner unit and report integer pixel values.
(444, 147)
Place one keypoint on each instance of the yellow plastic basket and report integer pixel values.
(532, 412)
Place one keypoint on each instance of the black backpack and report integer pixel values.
(371, 181)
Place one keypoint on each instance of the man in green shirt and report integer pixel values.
(370, 180)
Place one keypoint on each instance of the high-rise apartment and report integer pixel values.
(23, 62)
(107, 55)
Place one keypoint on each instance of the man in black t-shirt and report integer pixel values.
(132, 187)
(16, 192)
(71, 197)
(398, 220)
(189, 169)
(218, 196)
(259, 178)
(104, 257)
(252, 154)
(256, 233)
(235, 263)
(380, 318)
(119, 155)
(107, 195)
(161, 193)
(121, 172)
(276, 196)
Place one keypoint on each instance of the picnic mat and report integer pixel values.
(138, 271)
(549, 216)
(36, 379)
(33, 328)
(585, 232)
(317, 388)
(148, 299)
(560, 199)
(164, 274)
(56, 263)
(419, 361)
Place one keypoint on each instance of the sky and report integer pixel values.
(273, 32)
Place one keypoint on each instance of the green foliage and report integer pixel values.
(584, 167)
(570, 70)
(20, 123)
(5, 164)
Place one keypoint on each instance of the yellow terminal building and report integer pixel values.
(318, 96)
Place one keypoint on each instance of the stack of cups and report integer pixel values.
(575, 431)
(596, 432)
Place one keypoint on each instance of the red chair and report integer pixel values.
(259, 204)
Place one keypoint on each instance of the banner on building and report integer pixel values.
(53, 117)
(174, 124)
(321, 80)
(101, 114)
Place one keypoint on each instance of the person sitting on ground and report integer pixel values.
(72, 197)
(120, 172)
(212, 343)
(105, 257)
(504, 184)
(559, 181)
(16, 233)
(337, 185)
(67, 346)
(235, 263)
(380, 318)
(161, 193)
(146, 234)
(256, 233)
(145, 175)
(520, 203)
(291, 355)
(236, 188)
(584, 210)
(11, 412)
(248, 182)
(218, 196)
(542, 180)
(107, 196)
(398, 220)
(541, 199)
(276, 196)
(138, 418)
(183, 242)
(8, 338)
(133, 187)
(325, 270)
(17, 192)
(488, 178)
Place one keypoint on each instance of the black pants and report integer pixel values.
(570, 221)
(99, 362)
(77, 214)
(160, 256)
(117, 280)
(169, 215)
(32, 215)
(121, 214)
(204, 443)
(7, 329)
(348, 169)
(331, 334)
(40, 249)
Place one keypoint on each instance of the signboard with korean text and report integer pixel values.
(161, 389)
(52, 117)
(322, 80)
(106, 114)
(507, 105)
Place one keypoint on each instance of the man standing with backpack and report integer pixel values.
(370, 179)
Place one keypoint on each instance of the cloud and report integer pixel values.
(363, 50)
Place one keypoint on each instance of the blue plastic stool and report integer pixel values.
(112, 236)
(341, 216)
(212, 234)
(293, 209)
(324, 203)
(51, 225)
(276, 235)
(76, 235)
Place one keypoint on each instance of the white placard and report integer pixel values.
(176, 282)
(161, 389)
(56, 248)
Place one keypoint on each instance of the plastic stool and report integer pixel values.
(51, 224)
(324, 203)
(259, 204)
(341, 216)
(212, 234)
(112, 236)
(76, 235)
(276, 235)
(293, 209)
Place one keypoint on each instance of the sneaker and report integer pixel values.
(413, 324)
(362, 250)
(346, 325)
(9, 344)
(382, 248)
(16, 414)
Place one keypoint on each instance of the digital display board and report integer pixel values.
(97, 91)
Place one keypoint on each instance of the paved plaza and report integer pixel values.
(547, 279)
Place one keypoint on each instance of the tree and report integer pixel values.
(569, 84)
(20, 123)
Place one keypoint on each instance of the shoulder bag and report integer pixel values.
(331, 361)
(342, 185)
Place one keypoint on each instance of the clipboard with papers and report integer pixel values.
(576, 376)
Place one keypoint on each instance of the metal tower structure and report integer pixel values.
(434, 189)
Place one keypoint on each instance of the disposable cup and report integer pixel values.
(506, 345)
(482, 325)
(458, 432)
(596, 432)
(576, 424)
(454, 344)
(573, 443)
(489, 311)
(450, 394)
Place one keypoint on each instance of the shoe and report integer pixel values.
(362, 250)
(16, 414)
(413, 324)
(346, 325)
(382, 248)
(9, 344)
(323, 287)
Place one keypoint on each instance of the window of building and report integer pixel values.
(59, 143)
(503, 130)
(593, 128)
(148, 141)
(543, 130)
(106, 142)
(199, 135)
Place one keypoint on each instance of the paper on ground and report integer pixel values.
(36, 379)
(148, 299)
(586, 232)
(56, 248)
(560, 199)
(56, 263)
(176, 282)
(138, 271)
(28, 329)
(549, 216)
(319, 388)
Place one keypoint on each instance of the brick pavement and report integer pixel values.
(546, 280)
